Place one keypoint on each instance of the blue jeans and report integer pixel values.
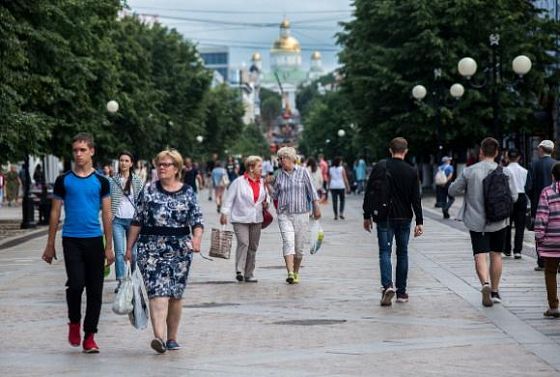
(400, 230)
(120, 230)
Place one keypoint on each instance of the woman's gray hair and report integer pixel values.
(288, 152)
(251, 161)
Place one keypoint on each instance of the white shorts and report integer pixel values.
(295, 233)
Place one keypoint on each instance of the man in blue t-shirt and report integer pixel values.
(83, 192)
(443, 190)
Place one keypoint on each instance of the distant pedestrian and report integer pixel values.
(519, 175)
(39, 176)
(220, 182)
(125, 189)
(166, 229)
(539, 177)
(296, 198)
(268, 167)
(316, 176)
(13, 184)
(210, 165)
(487, 237)
(398, 182)
(83, 192)
(324, 166)
(107, 171)
(442, 190)
(191, 176)
(141, 171)
(244, 204)
(232, 168)
(2, 184)
(360, 171)
(547, 234)
(338, 186)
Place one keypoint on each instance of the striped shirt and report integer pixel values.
(547, 222)
(294, 191)
(117, 193)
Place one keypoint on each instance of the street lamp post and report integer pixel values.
(419, 92)
(27, 205)
(467, 68)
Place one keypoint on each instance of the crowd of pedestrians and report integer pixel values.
(154, 222)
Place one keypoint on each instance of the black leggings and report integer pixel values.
(338, 193)
(84, 259)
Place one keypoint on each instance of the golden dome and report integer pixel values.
(256, 57)
(316, 55)
(287, 44)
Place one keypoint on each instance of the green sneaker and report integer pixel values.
(291, 277)
(296, 278)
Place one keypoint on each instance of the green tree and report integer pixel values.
(393, 45)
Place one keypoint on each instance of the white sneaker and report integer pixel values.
(387, 296)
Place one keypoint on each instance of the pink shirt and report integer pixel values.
(324, 169)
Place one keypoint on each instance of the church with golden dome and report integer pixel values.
(284, 76)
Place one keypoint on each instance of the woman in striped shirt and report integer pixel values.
(547, 234)
(296, 197)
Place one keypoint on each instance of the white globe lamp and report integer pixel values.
(341, 133)
(112, 106)
(457, 91)
(419, 92)
(521, 65)
(467, 67)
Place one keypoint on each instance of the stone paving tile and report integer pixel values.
(329, 325)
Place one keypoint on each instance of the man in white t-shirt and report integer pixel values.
(519, 174)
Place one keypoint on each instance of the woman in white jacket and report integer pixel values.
(244, 203)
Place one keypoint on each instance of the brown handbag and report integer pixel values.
(267, 216)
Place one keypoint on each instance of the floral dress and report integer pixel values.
(164, 249)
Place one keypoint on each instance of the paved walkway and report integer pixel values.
(329, 325)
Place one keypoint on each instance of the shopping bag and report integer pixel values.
(317, 236)
(123, 299)
(220, 243)
(140, 315)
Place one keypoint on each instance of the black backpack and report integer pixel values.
(498, 203)
(377, 199)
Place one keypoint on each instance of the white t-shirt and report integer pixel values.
(337, 180)
(126, 209)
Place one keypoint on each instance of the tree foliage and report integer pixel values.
(62, 61)
(393, 45)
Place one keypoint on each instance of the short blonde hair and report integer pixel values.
(288, 152)
(175, 156)
(251, 161)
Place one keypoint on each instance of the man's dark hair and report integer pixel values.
(489, 147)
(513, 154)
(398, 145)
(84, 137)
(556, 171)
(337, 161)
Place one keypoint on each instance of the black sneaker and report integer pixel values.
(507, 253)
(446, 215)
(239, 277)
(517, 255)
(539, 268)
(387, 296)
(496, 299)
(402, 297)
(158, 345)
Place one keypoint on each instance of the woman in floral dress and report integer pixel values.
(167, 229)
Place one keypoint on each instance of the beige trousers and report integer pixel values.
(248, 237)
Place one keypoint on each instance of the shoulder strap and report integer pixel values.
(120, 188)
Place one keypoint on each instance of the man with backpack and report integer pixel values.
(392, 195)
(443, 179)
(489, 196)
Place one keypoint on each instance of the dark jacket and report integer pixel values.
(539, 177)
(405, 191)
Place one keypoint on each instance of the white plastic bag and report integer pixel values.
(140, 315)
(440, 178)
(123, 299)
(316, 237)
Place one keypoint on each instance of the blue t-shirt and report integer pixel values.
(447, 169)
(82, 198)
(361, 170)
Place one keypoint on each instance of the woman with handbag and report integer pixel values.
(245, 202)
(296, 198)
(125, 189)
(168, 226)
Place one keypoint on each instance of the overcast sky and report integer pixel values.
(253, 25)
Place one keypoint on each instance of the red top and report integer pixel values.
(255, 186)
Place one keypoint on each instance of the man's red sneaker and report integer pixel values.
(74, 336)
(89, 344)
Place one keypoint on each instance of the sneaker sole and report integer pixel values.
(552, 316)
(387, 298)
(93, 350)
(402, 300)
(486, 296)
(158, 346)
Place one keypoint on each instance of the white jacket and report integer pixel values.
(240, 204)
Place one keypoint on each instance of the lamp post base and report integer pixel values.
(28, 213)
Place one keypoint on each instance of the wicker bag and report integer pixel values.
(220, 245)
